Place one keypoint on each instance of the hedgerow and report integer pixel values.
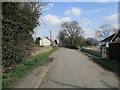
(18, 22)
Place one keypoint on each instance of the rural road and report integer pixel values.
(75, 70)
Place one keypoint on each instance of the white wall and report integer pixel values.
(45, 42)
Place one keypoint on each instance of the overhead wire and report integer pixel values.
(47, 28)
(45, 24)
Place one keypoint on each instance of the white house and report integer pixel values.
(45, 42)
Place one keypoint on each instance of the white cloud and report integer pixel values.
(66, 19)
(116, 25)
(73, 12)
(89, 33)
(112, 18)
(54, 20)
(53, 23)
(85, 21)
(51, 19)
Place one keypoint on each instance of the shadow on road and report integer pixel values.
(103, 66)
(65, 84)
(106, 84)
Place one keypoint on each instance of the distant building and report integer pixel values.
(54, 43)
(37, 40)
(45, 42)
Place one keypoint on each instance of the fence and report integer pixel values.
(114, 51)
(96, 53)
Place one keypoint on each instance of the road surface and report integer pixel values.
(75, 70)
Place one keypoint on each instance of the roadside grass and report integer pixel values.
(9, 79)
(109, 64)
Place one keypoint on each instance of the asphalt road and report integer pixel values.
(75, 70)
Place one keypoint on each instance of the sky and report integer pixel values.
(90, 15)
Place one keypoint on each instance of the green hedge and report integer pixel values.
(18, 22)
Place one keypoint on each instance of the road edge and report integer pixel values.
(41, 78)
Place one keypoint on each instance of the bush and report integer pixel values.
(18, 22)
(71, 46)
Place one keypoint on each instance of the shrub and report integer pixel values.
(18, 22)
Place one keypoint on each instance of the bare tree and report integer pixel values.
(61, 37)
(70, 31)
(105, 30)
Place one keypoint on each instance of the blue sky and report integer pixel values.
(90, 15)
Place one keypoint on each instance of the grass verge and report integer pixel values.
(9, 79)
(109, 64)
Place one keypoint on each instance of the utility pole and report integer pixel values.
(47, 29)
(50, 35)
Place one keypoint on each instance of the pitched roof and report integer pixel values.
(116, 35)
(108, 39)
(111, 38)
